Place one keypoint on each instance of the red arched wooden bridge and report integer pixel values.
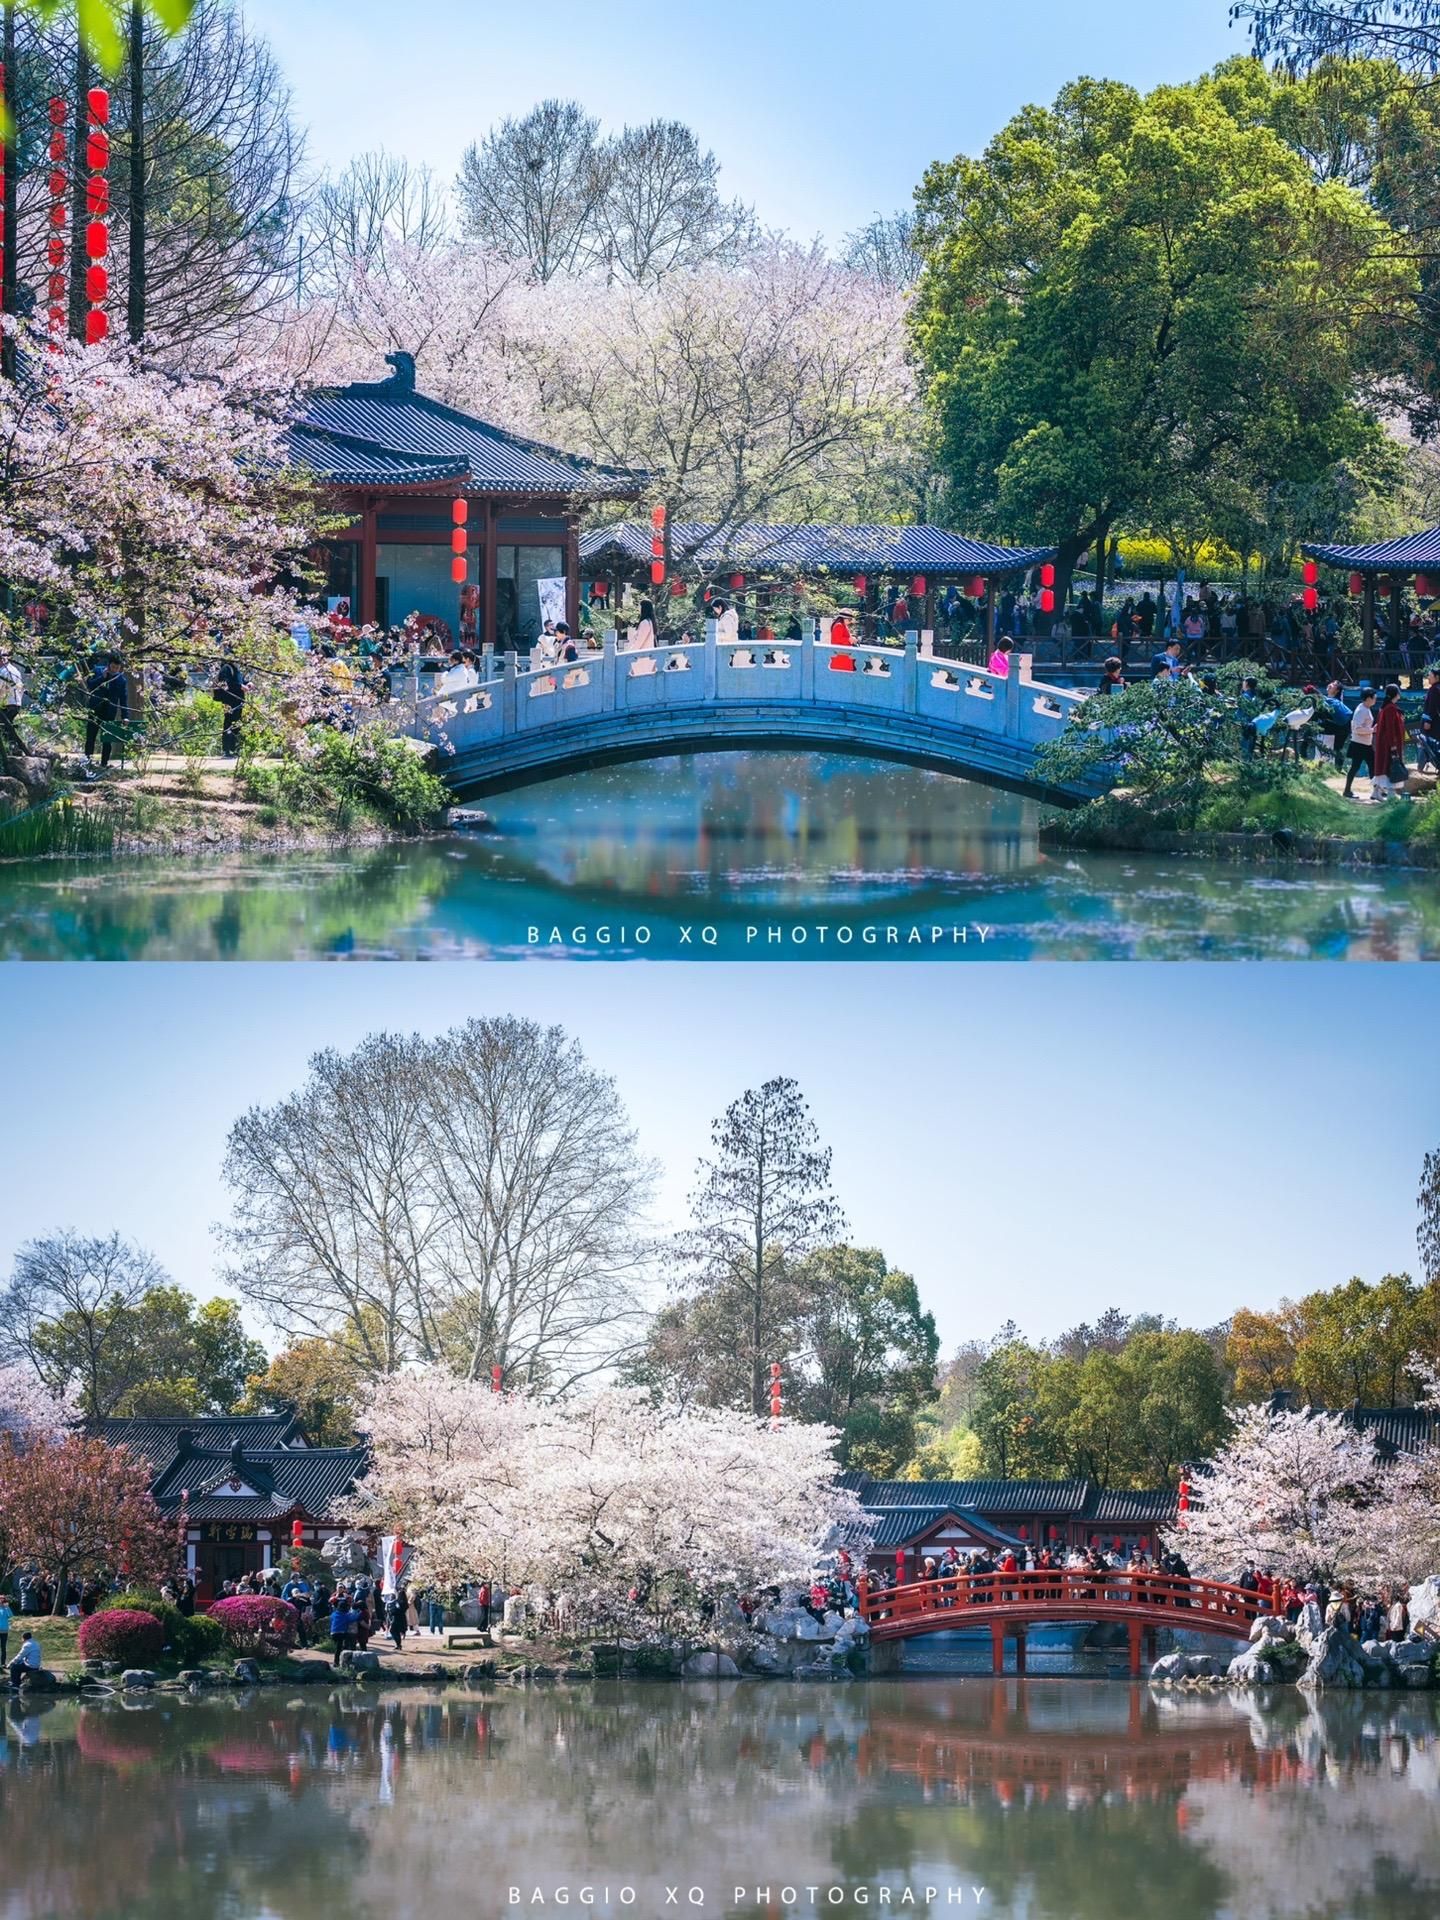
(1008, 1603)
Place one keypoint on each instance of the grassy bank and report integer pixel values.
(1304, 817)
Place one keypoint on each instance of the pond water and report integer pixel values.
(762, 856)
(1061, 1798)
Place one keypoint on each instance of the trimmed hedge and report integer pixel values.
(126, 1634)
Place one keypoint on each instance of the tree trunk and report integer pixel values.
(9, 235)
(757, 1384)
(79, 196)
(135, 263)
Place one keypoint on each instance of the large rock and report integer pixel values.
(1411, 1653)
(710, 1665)
(785, 1623)
(765, 1658)
(1335, 1661)
(12, 792)
(137, 1679)
(246, 1673)
(1170, 1666)
(355, 1660)
(39, 1680)
(1271, 1627)
(1425, 1603)
(1251, 1669)
(852, 1632)
(31, 771)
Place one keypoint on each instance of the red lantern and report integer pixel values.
(737, 583)
(657, 572)
(1357, 583)
(657, 516)
(497, 1373)
(1024, 1533)
(1047, 574)
(97, 201)
(977, 586)
(457, 570)
(917, 586)
(677, 587)
(1047, 600)
(599, 589)
(1115, 1543)
(457, 540)
(1424, 586)
(861, 583)
(1054, 1533)
(460, 511)
(657, 547)
(1312, 599)
(1382, 585)
(1312, 573)
(57, 112)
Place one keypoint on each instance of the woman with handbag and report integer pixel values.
(1390, 768)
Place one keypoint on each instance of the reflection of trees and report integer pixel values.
(1064, 1799)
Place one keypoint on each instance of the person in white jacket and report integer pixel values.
(1362, 740)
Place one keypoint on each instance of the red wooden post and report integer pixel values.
(367, 563)
(1133, 1629)
(997, 1646)
(1020, 1650)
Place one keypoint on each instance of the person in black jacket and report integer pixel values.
(230, 692)
(107, 703)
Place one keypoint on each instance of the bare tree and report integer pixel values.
(1428, 1234)
(531, 188)
(66, 1310)
(660, 210)
(885, 249)
(760, 1204)
(1301, 33)
(376, 207)
(471, 1200)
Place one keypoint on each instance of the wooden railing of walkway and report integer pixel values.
(1007, 1603)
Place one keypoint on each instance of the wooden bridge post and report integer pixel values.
(1020, 1650)
(997, 1646)
(1134, 1629)
(912, 670)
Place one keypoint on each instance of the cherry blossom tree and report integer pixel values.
(1400, 1538)
(29, 1411)
(1288, 1491)
(80, 1508)
(629, 1512)
(154, 509)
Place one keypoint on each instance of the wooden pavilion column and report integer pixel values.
(1397, 614)
(572, 574)
(489, 594)
(367, 560)
(1367, 612)
(991, 613)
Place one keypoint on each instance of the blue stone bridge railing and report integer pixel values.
(898, 702)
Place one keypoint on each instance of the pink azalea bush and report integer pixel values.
(123, 1633)
(254, 1624)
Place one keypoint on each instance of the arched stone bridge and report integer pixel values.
(1008, 1603)
(890, 703)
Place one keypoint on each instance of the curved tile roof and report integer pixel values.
(379, 432)
(312, 1478)
(160, 1441)
(1414, 552)
(778, 548)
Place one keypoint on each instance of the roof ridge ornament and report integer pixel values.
(402, 379)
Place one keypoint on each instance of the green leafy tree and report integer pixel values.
(321, 1379)
(1127, 295)
(867, 1354)
(165, 1355)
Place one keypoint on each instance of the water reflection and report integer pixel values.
(1058, 1797)
(785, 857)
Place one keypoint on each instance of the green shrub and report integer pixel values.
(348, 778)
(190, 1639)
(192, 726)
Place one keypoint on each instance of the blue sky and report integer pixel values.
(1035, 1142)
(821, 115)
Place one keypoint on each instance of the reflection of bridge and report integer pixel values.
(886, 703)
(1008, 1603)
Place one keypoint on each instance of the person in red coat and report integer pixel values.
(1389, 742)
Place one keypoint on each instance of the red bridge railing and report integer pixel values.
(1007, 1602)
